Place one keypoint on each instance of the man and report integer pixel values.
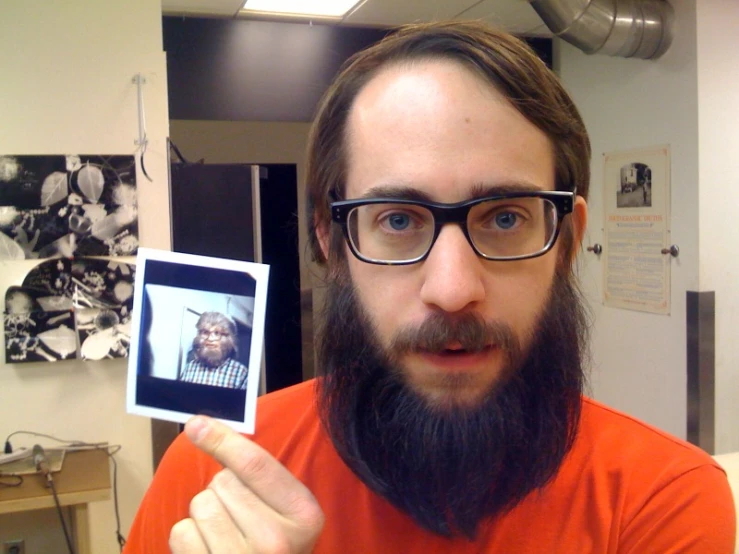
(213, 351)
(448, 172)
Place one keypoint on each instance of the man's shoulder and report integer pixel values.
(233, 362)
(658, 489)
(614, 437)
(285, 415)
(295, 396)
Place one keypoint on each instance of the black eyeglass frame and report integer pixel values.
(564, 202)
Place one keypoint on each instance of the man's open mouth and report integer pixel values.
(459, 350)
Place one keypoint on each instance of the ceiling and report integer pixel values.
(517, 16)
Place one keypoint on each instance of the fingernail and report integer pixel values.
(196, 428)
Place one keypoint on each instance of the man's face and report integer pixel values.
(213, 344)
(451, 387)
(436, 128)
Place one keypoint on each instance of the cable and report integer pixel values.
(111, 451)
(15, 481)
(182, 158)
(119, 537)
(77, 445)
(143, 167)
(50, 481)
(8, 449)
(173, 146)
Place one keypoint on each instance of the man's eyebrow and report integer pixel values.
(482, 190)
(397, 192)
(479, 190)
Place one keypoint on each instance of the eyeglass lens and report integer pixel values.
(217, 333)
(499, 229)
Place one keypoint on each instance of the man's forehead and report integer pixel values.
(414, 89)
(436, 130)
(212, 327)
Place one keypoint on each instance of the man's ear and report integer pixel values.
(322, 235)
(579, 224)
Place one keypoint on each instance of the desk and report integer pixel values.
(84, 478)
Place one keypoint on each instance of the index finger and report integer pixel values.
(252, 464)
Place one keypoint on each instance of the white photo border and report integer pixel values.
(189, 264)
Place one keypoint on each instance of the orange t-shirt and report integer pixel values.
(624, 488)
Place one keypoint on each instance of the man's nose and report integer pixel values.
(453, 272)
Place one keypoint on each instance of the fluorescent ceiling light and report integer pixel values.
(320, 8)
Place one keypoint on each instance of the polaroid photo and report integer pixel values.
(197, 338)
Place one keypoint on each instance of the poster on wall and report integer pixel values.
(636, 195)
(70, 309)
(67, 205)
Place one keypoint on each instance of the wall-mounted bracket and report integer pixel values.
(142, 142)
(139, 80)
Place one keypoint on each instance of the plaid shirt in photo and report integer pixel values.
(230, 373)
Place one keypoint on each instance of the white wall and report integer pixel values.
(639, 360)
(65, 87)
(718, 147)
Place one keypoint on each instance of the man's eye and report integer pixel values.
(216, 334)
(506, 220)
(399, 222)
(502, 218)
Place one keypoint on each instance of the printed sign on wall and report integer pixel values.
(636, 194)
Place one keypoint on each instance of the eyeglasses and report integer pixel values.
(218, 334)
(395, 231)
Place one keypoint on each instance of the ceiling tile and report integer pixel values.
(517, 16)
(202, 7)
(395, 12)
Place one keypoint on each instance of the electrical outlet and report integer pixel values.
(17, 546)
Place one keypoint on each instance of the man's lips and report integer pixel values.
(456, 358)
(457, 348)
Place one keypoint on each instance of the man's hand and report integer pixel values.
(253, 505)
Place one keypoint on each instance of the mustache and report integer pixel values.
(469, 331)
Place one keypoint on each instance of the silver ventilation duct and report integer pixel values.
(625, 28)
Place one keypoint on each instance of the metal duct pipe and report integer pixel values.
(625, 28)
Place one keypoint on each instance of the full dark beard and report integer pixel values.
(449, 469)
(211, 357)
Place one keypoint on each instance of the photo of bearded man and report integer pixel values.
(214, 353)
